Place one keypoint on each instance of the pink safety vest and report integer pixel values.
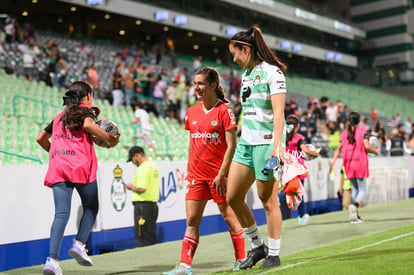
(292, 148)
(72, 156)
(355, 156)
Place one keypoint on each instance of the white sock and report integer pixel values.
(274, 246)
(253, 235)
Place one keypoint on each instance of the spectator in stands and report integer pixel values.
(196, 64)
(354, 149)
(52, 52)
(250, 51)
(142, 77)
(396, 145)
(313, 120)
(304, 126)
(331, 113)
(94, 81)
(145, 189)
(159, 94)
(76, 169)
(151, 78)
(29, 59)
(342, 116)
(365, 124)
(407, 126)
(129, 85)
(411, 143)
(9, 31)
(333, 137)
(84, 75)
(143, 127)
(291, 107)
(322, 108)
(171, 95)
(212, 129)
(2, 40)
(184, 102)
(117, 86)
(29, 33)
(374, 116)
(62, 70)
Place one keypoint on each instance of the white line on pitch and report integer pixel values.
(344, 252)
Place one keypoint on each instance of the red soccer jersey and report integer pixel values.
(208, 140)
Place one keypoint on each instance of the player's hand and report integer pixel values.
(220, 183)
(129, 186)
(279, 153)
(114, 141)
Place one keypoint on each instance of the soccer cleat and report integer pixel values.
(79, 253)
(303, 220)
(271, 261)
(52, 267)
(237, 264)
(253, 256)
(179, 270)
(358, 220)
(353, 213)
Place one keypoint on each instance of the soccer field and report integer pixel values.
(328, 244)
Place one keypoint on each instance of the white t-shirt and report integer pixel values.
(144, 119)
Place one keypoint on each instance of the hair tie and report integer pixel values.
(71, 98)
(241, 42)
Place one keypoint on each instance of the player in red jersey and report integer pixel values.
(212, 127)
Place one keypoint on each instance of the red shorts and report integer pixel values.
(201, 190)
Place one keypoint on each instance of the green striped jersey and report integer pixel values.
(258, 85)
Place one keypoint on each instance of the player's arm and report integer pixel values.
(306, 149)
(43, 138)
(335, 156)
(133, 188)
(220, 180)
(92, 128)
(278, 106)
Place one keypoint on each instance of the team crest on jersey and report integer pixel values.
(214, 122)
(256, 80)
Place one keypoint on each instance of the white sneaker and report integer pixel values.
(52, 267)
(303, 220)
(353, 213)
(79, 253)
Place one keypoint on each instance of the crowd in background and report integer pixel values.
(166, 90)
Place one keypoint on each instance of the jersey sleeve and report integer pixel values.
(228, 118)
(276, 81)
(49, 128)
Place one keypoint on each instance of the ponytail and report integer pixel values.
(75, 114)
(354, 119)
(253, 38)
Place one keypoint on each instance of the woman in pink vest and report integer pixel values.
(73, 165)
(354, 149)
(296, 146)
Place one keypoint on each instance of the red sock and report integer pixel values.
(238, 244)
(188, 250)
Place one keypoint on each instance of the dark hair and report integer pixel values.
(211, 76)
(354, 119)
(291, 119)
(253, 38)
(75, 114)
